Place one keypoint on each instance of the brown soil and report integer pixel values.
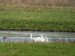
(24, 3)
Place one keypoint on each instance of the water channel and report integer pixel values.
(24, 36)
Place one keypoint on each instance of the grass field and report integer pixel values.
(40, 19)
(39, 49)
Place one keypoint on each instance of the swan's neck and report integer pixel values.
(31, 36)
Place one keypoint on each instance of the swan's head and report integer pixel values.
(41, 35)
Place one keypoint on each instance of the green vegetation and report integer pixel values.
(40, 19)
(39, 49)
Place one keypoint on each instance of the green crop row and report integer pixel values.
(40, 19)
(39, 49)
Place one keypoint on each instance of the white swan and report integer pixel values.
(33, 39)
(39, 39)
(46, 40)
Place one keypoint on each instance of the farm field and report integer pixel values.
(39, 49)
(38, 19)
(37, 16)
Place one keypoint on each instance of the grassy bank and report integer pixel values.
(40, 49)
(42, 19)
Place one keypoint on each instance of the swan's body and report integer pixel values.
(39, 39)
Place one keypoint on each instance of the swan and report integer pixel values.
(39, 39)
(46, 40)
(33, 39)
